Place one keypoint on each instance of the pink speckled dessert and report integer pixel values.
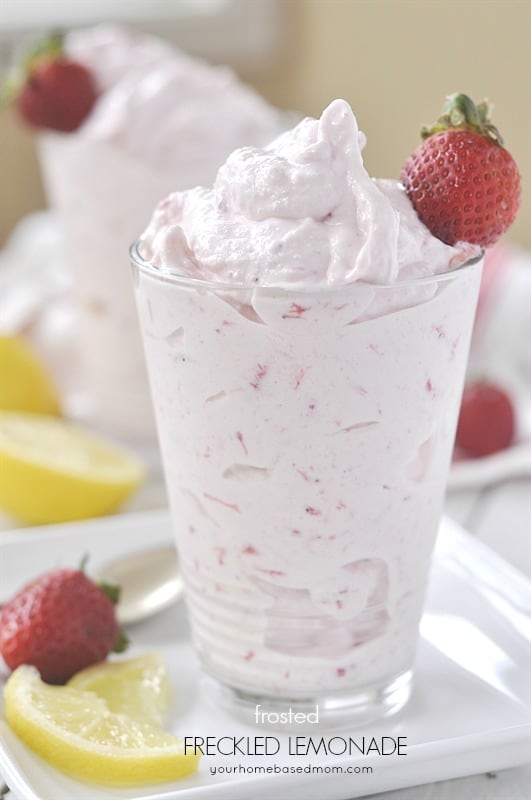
(306, 339)
(161, 121)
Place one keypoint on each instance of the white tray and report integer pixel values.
(470, 710)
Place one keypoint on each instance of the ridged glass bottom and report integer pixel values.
(335, 710)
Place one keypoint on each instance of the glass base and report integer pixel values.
(336, 710)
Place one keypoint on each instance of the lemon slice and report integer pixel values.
(76, 732)
(24, 383)
(53, 471)
(138, 687)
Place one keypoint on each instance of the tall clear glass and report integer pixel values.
(306, 438)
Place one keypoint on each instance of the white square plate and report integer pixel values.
(470, 710)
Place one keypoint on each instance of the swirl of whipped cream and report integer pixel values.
(111, 52)
(172, 111)
(301, 211)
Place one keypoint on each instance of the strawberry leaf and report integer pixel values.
(111, 590)
(461, 113)
(49, 49)
(122, 642)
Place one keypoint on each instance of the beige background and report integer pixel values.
(394, 60)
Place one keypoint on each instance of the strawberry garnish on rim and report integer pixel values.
(462, 182)
(50, 90)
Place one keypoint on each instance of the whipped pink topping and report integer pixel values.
(175, 112)
(111, 53)
(301, 211)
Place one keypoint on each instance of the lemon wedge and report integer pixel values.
(24, 382)
(75, 731)
(139, 687)
(54, 471)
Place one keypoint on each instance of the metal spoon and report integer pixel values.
(149, 581)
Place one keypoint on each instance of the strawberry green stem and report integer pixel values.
(461, 110)
(111, 590)
(461, 113)
(83, 563)
(48, 49)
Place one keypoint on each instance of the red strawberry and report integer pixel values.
(57, 94)
(52, 91)
(462, 182)
(60, 623)
(486, 421)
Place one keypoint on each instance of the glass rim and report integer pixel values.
(170, 276)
